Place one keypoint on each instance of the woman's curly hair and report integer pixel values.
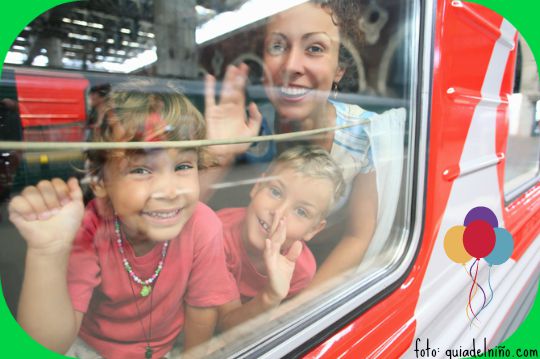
(345, 15)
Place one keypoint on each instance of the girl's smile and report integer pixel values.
(153, 193)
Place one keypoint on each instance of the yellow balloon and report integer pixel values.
(453, 245)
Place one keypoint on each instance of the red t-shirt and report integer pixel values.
(194, 272)
(249, 280)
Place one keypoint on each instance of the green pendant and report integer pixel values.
(149, 352)
(145, 290)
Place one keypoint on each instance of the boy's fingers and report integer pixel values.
(209, 91)
(270, 250)
(267, 245)
(280, 233)
(294, 251)
(273, 226)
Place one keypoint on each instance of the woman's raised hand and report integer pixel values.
(48, 215)
(227, 117)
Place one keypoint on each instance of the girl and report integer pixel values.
(147, 262)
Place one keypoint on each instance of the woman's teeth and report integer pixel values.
(293, 91)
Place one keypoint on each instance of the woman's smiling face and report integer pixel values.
(301, 51)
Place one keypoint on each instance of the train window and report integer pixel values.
(523, 151)
(306, 164)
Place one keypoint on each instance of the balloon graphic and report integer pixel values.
(504, 246)
(453, 245)
(481, 213)
(479, 239)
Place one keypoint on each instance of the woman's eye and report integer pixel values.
(183, 167)
(276, 48)
(139, 171)
(315, 49)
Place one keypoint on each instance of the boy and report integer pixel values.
(265, 242)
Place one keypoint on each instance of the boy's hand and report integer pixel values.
(48, 215)
(279, 267)
(227, 119)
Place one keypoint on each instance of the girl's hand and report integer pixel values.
(279, 267)
(48, 215)
(227, 118)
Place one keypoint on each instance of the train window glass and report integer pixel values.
(523, 150)
(329, 102)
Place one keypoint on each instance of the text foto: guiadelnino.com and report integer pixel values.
(422, 349)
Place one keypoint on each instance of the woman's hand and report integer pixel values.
(279, 267)
(227, 118)
(48, 215)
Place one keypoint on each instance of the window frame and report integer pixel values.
(340, 306)
(513, 194)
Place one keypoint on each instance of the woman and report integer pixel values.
(302, 69)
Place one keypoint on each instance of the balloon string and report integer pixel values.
(467, 305)
(490, 289)
(472, 287)
(476, 285)
(477, 261)
(479, 286)
(473, 282)
(491, 295)
(470, 275)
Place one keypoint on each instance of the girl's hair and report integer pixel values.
(315, 162)
(146, 111)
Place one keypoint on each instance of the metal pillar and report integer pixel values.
(174, 27)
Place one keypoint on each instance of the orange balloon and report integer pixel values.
(453, 245)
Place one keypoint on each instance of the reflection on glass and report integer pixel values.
(339, 81)
(523, 151)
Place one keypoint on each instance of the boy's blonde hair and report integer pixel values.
(146, 111)
(315, 162)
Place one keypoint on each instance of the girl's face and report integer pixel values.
(301, 58)
(153, 193)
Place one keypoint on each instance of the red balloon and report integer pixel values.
(479, 238)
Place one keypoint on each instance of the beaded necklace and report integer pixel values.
(147, 283)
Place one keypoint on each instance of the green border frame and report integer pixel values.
(16, 14)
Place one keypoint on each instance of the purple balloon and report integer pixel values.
(481, 213)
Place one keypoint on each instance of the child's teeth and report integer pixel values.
(264, 225)
(162, 214)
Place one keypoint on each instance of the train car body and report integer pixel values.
(473, 67)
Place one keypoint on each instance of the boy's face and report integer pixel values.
(285, 193)
(153, 193)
